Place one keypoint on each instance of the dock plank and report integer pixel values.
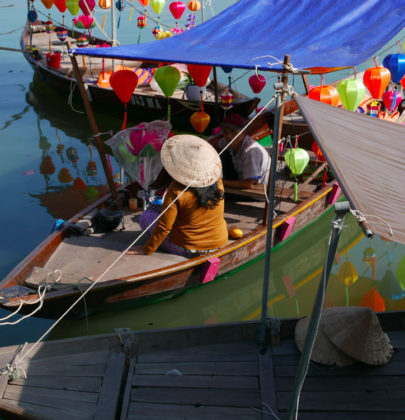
(200, 368)
(267, 384)
(195, 381)
(92, 384)
(365, 401)
(244, 351)
(109, 394)
(195, 396)
(286, 347)
(140, 411)
(328, 415)
(78, 359)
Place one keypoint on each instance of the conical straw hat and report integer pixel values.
(191, 160)
(324, 350)
(357, 332)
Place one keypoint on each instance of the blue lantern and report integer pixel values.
(32, 15)
(395, 63)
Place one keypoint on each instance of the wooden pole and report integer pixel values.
(113, 31)
(306, 83)
(216, 116)
(277, 130)
(93, 125)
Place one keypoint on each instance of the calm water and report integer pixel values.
(37, 127)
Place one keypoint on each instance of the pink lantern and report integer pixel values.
(177, 9)
(91, 4)
(389, 101)
(257, 82)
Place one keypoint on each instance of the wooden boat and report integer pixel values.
(200, 372)
(146, 104)
(139, 279)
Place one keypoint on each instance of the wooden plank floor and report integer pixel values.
(353, 392)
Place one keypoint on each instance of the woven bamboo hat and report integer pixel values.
(347, 334)
(357, 332)
(191, 160)
(324, 350)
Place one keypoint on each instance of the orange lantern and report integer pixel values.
(48, 3)
(376, 80)
(373, 300)
(194, 5)
(326, 94)
(200, 120)
(64, 176)
(47, 167)
(104, 4)
(144, 3)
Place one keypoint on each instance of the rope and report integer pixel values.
(14, 30)
(268, 410)
(129, 247)
(11, 369)
(106, 133)
(360, 217)
(97, 24)
(70, 97)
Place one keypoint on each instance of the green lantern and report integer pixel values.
(351, 92)
(167, 77)
(73, 6)
(401, 272)
(296, 159)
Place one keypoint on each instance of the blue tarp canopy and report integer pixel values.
(250, 33)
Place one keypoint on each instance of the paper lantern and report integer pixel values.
(226, 98)
(400, 273)
(351, 92)
(49, 26)
(177, 9)
(91, 168)
(84, 22)
(167, 77)
(82, 42)
(372, 299)
(48, 3)
(326, 94)
(61, 5)
(91, 193)
(194, 5)
(390, 288)
(391, 99)
(347, 274)
(200, 120)
(376, 80)
(318, 152)
(72, 154)
(395, 63)
(144, 3)
(257, 82)
(79, 184)
(141, 22)
(199, 73)
(120, 5)
(124, 83)
(64, 176)
(403, 82)
(104, 4)
(73, 6)
(32, 16)
(62, 34)
(91, 4)
(47, 167)
(226, 69)
(297, 159)
(158, 5)
(156, 30)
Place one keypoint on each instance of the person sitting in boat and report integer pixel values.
(192, 222)
(247, 162)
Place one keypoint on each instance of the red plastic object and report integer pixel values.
(53, 60)
(286, 228)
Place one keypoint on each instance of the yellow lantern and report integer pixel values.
(347, 275)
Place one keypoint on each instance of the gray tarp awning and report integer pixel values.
(367, 156)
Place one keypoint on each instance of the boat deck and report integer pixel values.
(214, 372)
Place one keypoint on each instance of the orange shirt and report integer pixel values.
(187, 224)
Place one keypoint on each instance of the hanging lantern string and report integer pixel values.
(144, 12)
(355, 72)
(124, 123)
(202, 102)
(375, 61)
(399, 46)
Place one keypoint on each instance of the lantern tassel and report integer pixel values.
(102, 25)
(295, 190)
(139, 37)
(130, 14)
(347, 295)
(124, 123)
(324, 178)
(84, 61)
(168, 109)
(73, 28)
(119, 21)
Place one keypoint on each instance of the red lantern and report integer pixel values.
(87, 6)
(318, 152)
(403, 82)
(326, 94)
(200, 120)
(194, 5)
(373, 300)
(376, 80)
(79, 184)
(141, 21)
(177, 9)
(257, 82)
(199, 73)
(144, 3)
(124, 83)
(391, 99)
(61, 5)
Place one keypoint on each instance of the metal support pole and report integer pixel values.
(202, 11)
(93, 125)
(337, 224)
(113, 31)
(278, 87)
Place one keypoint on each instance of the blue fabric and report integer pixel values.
(313, 32)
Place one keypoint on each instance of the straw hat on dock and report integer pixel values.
(347, 335)
(191, 160)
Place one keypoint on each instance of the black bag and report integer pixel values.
(106, 220)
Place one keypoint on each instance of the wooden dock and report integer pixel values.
(213, 372)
